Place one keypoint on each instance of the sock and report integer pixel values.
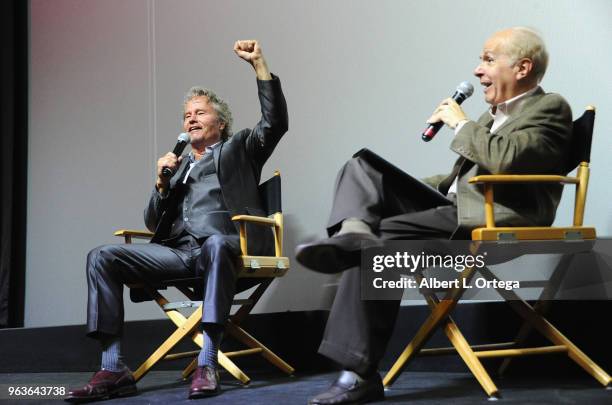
(354, 225)
(112, 360)
(354, 375)
(213, 334)
(351, 375)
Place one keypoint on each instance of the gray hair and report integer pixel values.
(221, 107)
(527, 43)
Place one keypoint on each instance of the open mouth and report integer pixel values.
(194, 128)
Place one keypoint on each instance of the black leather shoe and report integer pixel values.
(204, 383)
(104, 384)
(335, 254)
(347, 390)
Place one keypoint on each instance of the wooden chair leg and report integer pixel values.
(226, 363)
(223, 360)
(465, 351)
(522, 335)
(422, 336)
(181, 322)
(245, 309)
(433, 321)
(185, 328)
(467, 354)
(233, 369)
(541, 306)
(542, 325)
(555, 336)
(190, 368)
(241, 335)
(248, 340)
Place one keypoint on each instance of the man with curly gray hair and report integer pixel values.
(220, 106)
(190, 211)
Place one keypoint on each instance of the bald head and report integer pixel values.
(525, 43)
(512, 62)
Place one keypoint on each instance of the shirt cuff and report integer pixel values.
(273, 79)
(460, 125)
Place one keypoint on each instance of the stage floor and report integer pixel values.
(163, 387)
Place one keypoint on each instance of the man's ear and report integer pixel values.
(221, 125)
(523, 68)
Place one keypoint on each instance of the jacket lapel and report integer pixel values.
(528, 102)
(180, 173)
(216, 156)
(448, 181)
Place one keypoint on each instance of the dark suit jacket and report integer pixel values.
(238, 161)
(534, 140)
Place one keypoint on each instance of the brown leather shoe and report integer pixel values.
(204, 383)
(104, 384)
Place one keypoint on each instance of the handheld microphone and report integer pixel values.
(182, 141)
(463, 91)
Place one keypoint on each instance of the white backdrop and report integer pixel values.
(107, 80)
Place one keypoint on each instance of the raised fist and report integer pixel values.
(248, 50)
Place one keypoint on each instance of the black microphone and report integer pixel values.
(463, 91)
(183, 140)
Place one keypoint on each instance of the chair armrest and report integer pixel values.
(254, 219)
(522, 178)
(128, 234)
(275, 223)
(489, 179)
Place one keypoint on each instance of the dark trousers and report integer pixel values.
(109, 267)
(358, 331)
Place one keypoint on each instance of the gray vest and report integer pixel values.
(202, 211)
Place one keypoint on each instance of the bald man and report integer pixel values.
(524, 131)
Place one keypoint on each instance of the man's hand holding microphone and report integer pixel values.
(167, 164)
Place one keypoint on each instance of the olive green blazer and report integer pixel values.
(534, 140)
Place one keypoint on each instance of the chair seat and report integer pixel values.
(500, 252)
(254, 267)
(264, 266)
(534, 233)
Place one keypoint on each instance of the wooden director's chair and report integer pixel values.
(533, 316)
(262, 268)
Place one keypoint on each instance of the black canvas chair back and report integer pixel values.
(270, 194)
(582, 137)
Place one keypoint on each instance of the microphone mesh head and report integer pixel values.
(184, 137)
(466, 88)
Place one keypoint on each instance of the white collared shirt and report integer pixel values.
(503, 111)
(506, 109)
(193, 162)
